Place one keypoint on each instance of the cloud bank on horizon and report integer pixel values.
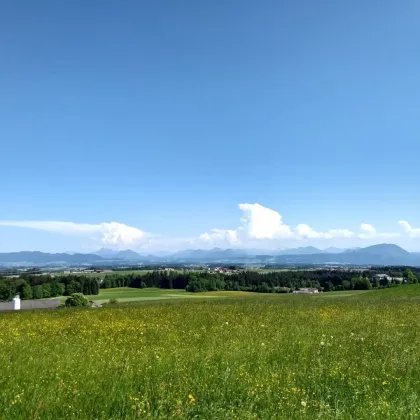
(260, 223)
(259, 226)
(111, 234)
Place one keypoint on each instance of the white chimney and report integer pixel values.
(16, 303)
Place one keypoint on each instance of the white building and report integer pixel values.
(307, 290)
(16, 303)
(389, 278)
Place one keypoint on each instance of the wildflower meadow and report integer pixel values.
(265, 357)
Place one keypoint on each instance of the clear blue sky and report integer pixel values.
(166, 115)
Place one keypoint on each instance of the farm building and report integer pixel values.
(308, 290)
(389, 278)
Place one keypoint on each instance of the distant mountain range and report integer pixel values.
(37, 257)
(382, 254)
(305, 250)
(211, 254)
(128, 254)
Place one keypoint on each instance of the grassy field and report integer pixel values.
(128, 294)
(354, 356)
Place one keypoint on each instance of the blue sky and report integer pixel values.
(165, 116)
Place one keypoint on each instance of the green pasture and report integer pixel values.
(127, 294)
(345, 355)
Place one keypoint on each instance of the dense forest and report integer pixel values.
(276, 281)
(33, 286)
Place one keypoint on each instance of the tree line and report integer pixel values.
(276, 281)
(31, 286)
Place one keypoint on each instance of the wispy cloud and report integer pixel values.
(112, 233)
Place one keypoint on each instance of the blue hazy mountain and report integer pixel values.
(127, 254)
(305, 250)
(334, 250)
(203, 255)
(381, 254)
(37, 257)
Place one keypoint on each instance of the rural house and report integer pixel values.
(307, 290)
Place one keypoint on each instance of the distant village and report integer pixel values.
(16, 273)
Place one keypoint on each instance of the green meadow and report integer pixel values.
(127, 294)
(244, 356)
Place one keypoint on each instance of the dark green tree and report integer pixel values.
(46, 290)
(37, 292)
(73, 287)
(362, 283)
(409, 276)
(346, 285)
(5, 292)
(25, 291)
(57, 289)
(76, 299)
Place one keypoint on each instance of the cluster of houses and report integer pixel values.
(77, 271)
(389, 278)
(222, 270)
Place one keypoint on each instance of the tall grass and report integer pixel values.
(298, 357)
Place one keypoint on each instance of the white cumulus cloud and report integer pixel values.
(368, 228)
(219, 236)
(306, 232)
(260, 223)
(411, 232)
(303, 231)
(368, 231)
(108, 233)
